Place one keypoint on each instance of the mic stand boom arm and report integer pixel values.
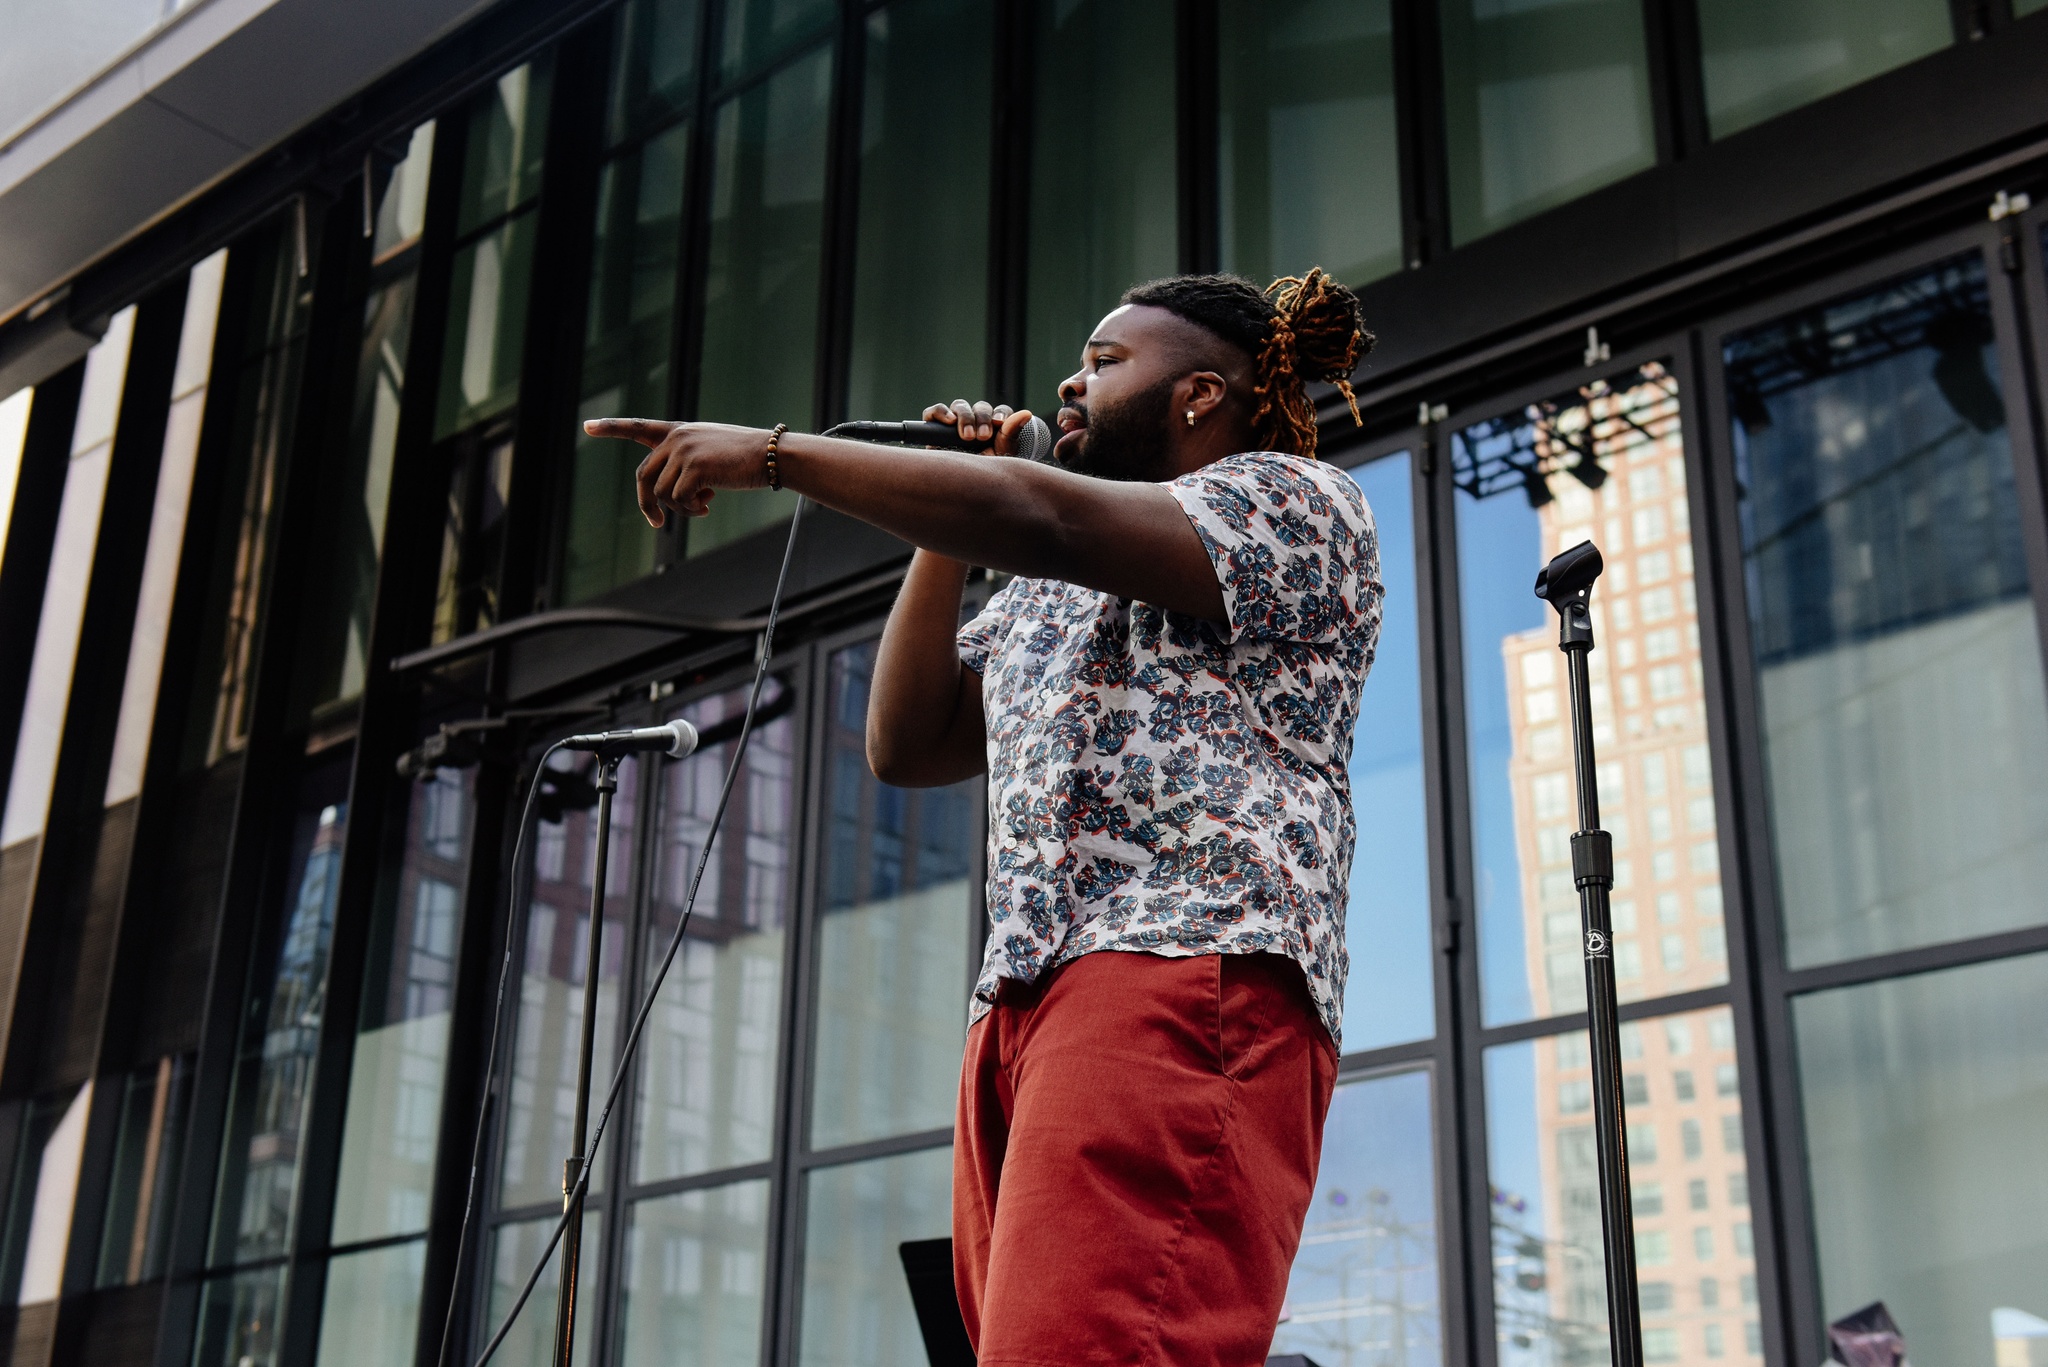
(1567, 582)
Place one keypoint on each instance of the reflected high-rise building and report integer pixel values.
(1697, 1273)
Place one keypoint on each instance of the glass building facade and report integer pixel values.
(305, 561)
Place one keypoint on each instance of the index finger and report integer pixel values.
(649, 432)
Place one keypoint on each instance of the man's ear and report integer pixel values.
(1202, 392)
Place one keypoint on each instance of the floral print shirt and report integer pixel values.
(1170, 785)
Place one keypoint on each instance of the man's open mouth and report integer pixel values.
(1073, 423)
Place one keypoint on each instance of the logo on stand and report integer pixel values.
(1596, 945)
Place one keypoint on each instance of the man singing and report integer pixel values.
(1163, 700)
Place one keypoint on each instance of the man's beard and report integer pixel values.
(1127, 440)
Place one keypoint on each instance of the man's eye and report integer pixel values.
(1101, 361)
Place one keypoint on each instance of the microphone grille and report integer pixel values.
(1034, 441)
(685, 743)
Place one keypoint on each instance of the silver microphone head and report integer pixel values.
(685, 743)
(1034, 441)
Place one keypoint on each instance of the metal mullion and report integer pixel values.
(1009, 240)
(786, 1202)
(1464, 1182)
(1717, 576)
(2007, 259)
(1366, 1061)
(700, 1181)
(1772, 1093)
(28, 539)
(891, 1146)
(1421, 140)
(1671, 33)
(840, 221)
(1197, 99)
(372, 1245)
(1699, 999)
(1921, 959)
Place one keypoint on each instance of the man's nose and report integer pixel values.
(1072, 388)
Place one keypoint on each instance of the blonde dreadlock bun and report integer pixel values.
(1298, 328)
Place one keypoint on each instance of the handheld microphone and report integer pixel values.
(676, 739)
(1034, 438)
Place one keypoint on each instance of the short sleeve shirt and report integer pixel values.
(1170, 785)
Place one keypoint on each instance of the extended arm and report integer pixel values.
(1129, 539)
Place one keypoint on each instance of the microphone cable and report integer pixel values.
(573, 1201)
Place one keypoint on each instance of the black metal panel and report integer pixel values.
(1197, 92)
(31, 532)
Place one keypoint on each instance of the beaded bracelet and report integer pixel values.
(775, 475)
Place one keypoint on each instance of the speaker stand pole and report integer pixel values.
(572, 1170)
(1567, 582)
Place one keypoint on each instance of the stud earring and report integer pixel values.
(1191, 417)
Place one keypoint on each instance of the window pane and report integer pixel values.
(1364, 1285)
(856, 1308)
(1898, 665)
(486, 326)
(1925, 1100)
(394, 1092)
(654, 66)
(922, 108)
(695, 1272)
(402, 212)
(1526, 490)
(507, 135)
(1301, 75)
(135, 1236)
(759, 31)
(238, 1320)
(372, 1313)
(1764, 57)
(707, 1089)
(761, 287)
(1391, 996)
(514, 1249)
(895, 937)
(1104, 184)
(1544, 100)
(543, 1109)
(281, 1032)
(1690, 1193)
(626, 367)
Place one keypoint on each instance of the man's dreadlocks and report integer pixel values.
(1298, 328)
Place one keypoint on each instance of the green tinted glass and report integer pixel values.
(507, 134)
(757, 32)
(920, 292)
(654, 66)
(1544, 100)
(1764, 57)
(1307, 85)
(1104, 184)
(761, 288)
(486, 326)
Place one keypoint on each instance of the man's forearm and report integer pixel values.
(1012, 515)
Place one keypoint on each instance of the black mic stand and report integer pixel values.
(572, 1170)
(1567, 582)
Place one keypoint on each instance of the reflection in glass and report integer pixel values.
(761, 282)
(372, 1312)
(695, 1277)
(501, 161)
(134, 1238)
(856, 1304)
(707, 1089)
(556, 948)
(1763, 57)
(626, 365)
(486, 325)
(394, 1093)
(1544, 101)
(238, 1320)
(759, 31)
(1364, 1284)
(1391, 996)
(1309, 84)
(1898, 665)
(281, 1033)
(1604, 462)
(1925, 1100)
(1104, 185)
(895, 937)
(922, 107)
(402, 211)
(473, 533)
(514, 1250)
(1690, 1190)
(654, 66)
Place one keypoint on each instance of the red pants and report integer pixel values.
(1134, 1155)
